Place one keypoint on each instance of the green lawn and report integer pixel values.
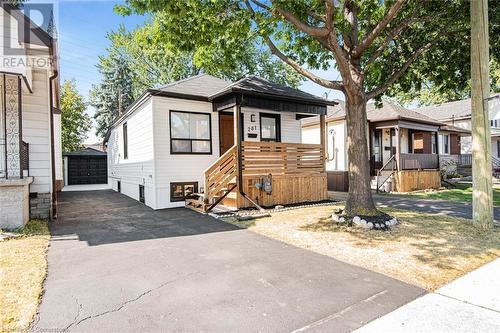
(462, 193)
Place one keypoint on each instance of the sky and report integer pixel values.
(82, 27)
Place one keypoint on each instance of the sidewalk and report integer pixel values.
(468, 304)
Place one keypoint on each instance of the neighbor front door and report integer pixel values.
(226, 128)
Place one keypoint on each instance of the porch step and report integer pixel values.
(196, 202)
(384, 175)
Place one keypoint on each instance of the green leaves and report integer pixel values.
(75, 122)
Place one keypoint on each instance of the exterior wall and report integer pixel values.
(36, 131)
(290, 126)
(14, 199)
(337, 152)
(40, 204)
(58, 151)
(174, 167)
(138, 168)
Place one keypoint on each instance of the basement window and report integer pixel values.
(179, 191)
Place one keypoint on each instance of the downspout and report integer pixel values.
(53, 214)
(52, 78)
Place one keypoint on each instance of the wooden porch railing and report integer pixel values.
(418, 161)
(221, 173)
(262, 158)
(465, 159)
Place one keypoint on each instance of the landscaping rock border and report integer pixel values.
(383, 222)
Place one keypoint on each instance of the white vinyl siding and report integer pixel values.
(138, 168)
(337, 152)
(174, 167)
(36, 132)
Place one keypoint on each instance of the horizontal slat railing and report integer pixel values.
(262, 158)
(220, 173)
(419, 161)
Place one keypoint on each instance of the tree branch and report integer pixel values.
(302, 26)
(397, 74)
(337, 85)
(377, 30)
(395, 33)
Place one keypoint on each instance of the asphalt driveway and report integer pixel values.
(118, 266)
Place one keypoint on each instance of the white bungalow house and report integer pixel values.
(204, 142)
(30, 127)
(404, 145)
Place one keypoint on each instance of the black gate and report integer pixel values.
(87, 170)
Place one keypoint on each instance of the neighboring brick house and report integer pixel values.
(30, 124)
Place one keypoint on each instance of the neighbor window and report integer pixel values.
(446, 144)
(190, 133)
(125, 141)
(179, 191)
(270, 127)
(495, 123)
(433, 143)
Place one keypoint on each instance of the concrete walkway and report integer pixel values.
(432, 206)
(468, 304)
(115, 265)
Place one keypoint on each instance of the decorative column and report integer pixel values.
(13, 134)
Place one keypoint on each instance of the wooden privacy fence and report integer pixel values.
(419, 161)
(262, 158)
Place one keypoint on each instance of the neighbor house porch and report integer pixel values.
(262, 162)
(404, 156)
(14, 157)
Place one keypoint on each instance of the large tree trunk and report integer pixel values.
(359, 201)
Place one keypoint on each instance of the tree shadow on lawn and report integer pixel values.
(438, 241)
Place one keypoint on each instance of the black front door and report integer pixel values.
(87, 170)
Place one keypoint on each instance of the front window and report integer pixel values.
(190, 133)
(179, 191)
(270, 127)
